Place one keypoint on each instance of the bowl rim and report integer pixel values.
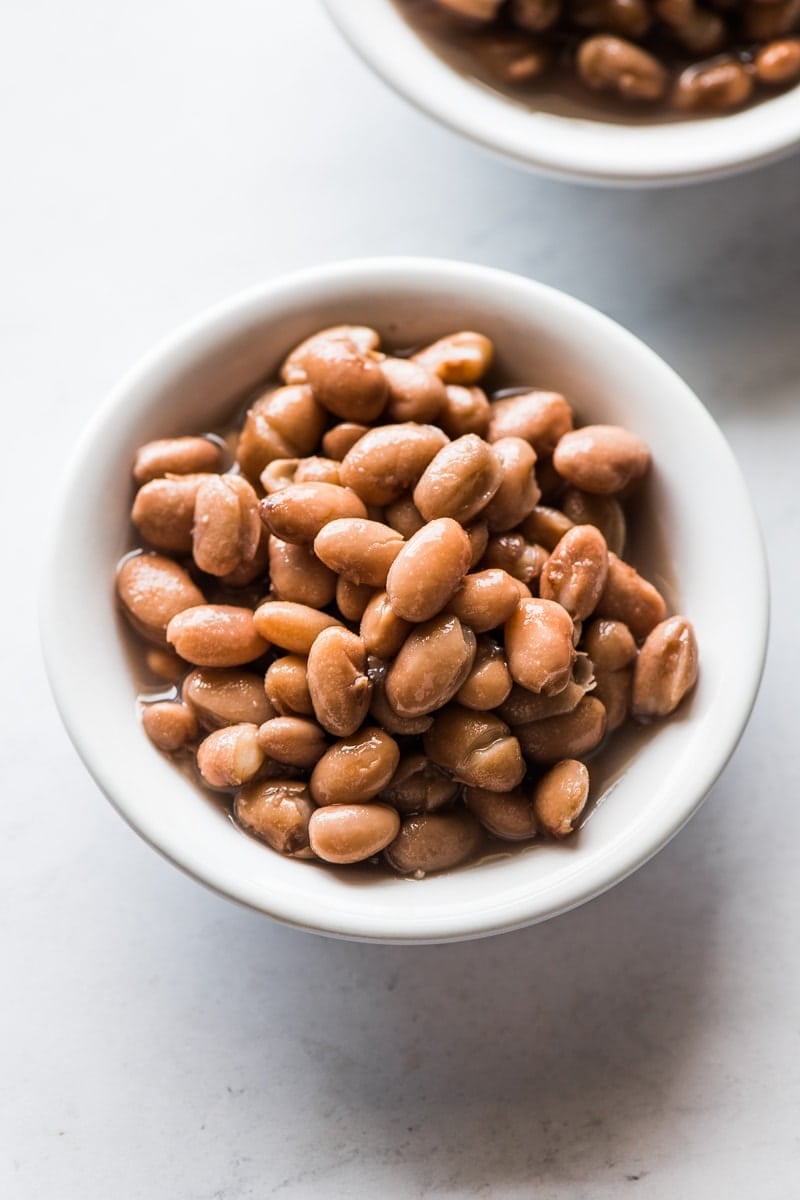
(568, 148)
(358, 922)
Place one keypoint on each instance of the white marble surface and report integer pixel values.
(158, 1042)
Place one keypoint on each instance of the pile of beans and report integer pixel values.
(393, 612)
(693, 58)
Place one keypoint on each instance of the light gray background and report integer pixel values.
(158, 1042)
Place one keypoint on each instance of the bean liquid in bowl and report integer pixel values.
(387, 616)
(617, 60)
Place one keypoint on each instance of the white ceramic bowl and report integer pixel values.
(567, 147)
(696, 493)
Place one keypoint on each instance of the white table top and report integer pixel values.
(159, 1042)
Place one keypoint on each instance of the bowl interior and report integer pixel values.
(195, 380)
(564, 145)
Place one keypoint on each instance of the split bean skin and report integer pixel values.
(432, 625)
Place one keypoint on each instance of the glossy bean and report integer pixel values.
(153, 589)
(337, 680)
(430, 666)
(230, 756)
(571, 735)
(476, 748)
(538, 640)
(298, 512)
(485, 599)
(291, 626)
(436, 841)
(539, 417)
(489, 680)
(169, 724)
(295, 741)
(666, 669)
(176, 456)
(355, 769)
(351, 833)
(459, 481)
(428, 569)
(278, 812)
(216, 635)
(575, 573)
(359, 549)
(560, 797)
(507, 815)
(226, 696)
(630, 598)
(418, 786)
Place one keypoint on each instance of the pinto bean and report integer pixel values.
(153, 589)
(538, 638)
(363, 337)
(169, 724)
(352, 598)
(295, 741)
(716, 85)
(382, 631)
(351, 833)
(428, 569)
(230, 756)
(489, 680)
(419, 786)
(355, 769)
(360, 550)
(226, 696)
(518, 491)
(298, 512)
(560, 797)
(575, 573)
(216, 635)
(539, 417)
(666, 669)
(437, 841)
(465, 410)
(476, 748)
(485, 599)
(346, 381)
(337, 680)
(507, 815)
(459, 481)
(337, 441)
(609, 644)
(278, 812)
(291, 626)
(521, 559)
(462, 358)
(286, 687)
(284, 422)
(612, 64)
(176, 456)
(630, 598)
(605, 512)
(430, 666)
(570, 735)
(163, 512)
(297, 574)
(602, 459)
(415, 393)
(226, 530)
(386, 462)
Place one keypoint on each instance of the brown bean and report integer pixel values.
(609, 644)
(575, 573)
(520, 559)
(428, 569)
(628, 18)
(630, 598)
(355, 769)
(476, 748)
(507, 815)
(298, 512)
(226, 529)
(176, 456)
(351, 833)
(226, 696)
(153, 589)
(165, 664)
(418, 785)
(257, 567)
(465, 410)
(534, 16)
(169, 724)
(291, 626)
(216, 635)
(285, 422)
(318, 469)
(388, 461)
(362, 337)
(570, 735)
(761, 22)
(384, 715)
(337, 441)
(360, 550)
(430, 666)
(716, 85)
(337, 680)
(512, 56)
(489, 680)
(163, 512)
(612, 64)
(459, 481)
(560, 797)
(346, 381)
(458, 358)
(538, 639)
(297, 574)
(666, 669)
(601, 459)
(613, 689)
(352, 598)
(778, 63)
(605, 512)
(286, 686)
(278, 473)
(485, 599)
(545, 526)
(404, 516)
(518, 491)
(382, 631)
(295, 741)
(478, 534)
(230, 756)
(521, 706)
(415, 394)
(278, 812)
(434, 842)
(539, 417)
